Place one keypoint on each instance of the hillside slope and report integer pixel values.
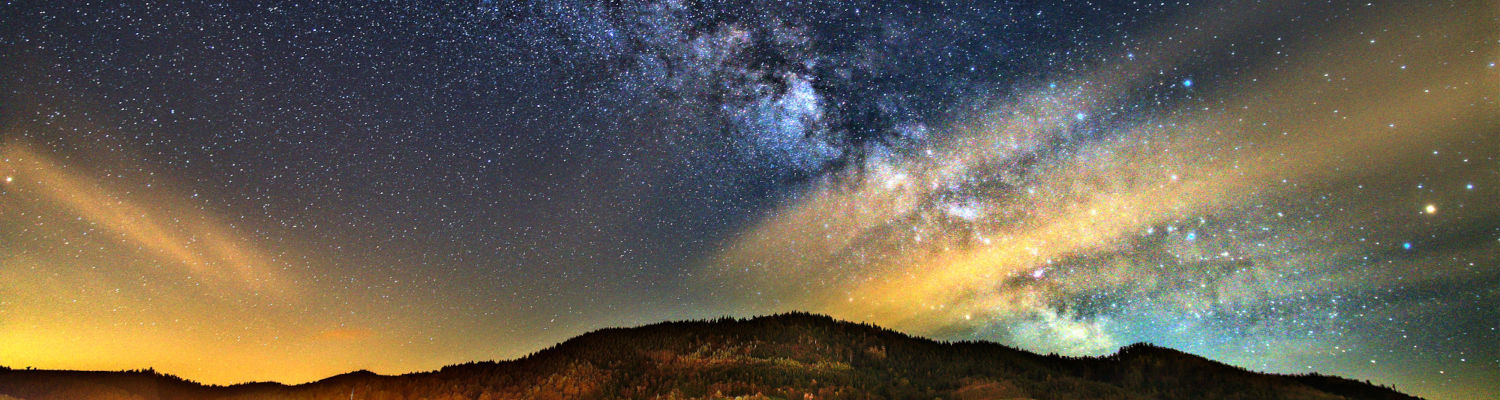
(789, 356)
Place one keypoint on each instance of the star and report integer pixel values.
(535, 158)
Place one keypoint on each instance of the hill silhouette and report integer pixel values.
(787, 356)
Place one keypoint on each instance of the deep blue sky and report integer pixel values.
(476, 180)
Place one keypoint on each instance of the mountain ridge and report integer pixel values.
(791, 355)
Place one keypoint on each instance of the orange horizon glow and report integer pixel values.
(122, 275)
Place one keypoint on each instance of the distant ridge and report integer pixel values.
(786, 356)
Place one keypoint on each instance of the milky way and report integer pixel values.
(1282, 186)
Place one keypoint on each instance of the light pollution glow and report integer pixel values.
(121, 273)
(979, 235)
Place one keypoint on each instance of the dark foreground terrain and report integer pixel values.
(791, 356)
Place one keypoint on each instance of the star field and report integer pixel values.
(281, 187)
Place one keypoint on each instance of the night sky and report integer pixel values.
(287, 191)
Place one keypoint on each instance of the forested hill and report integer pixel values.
(788, 356)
